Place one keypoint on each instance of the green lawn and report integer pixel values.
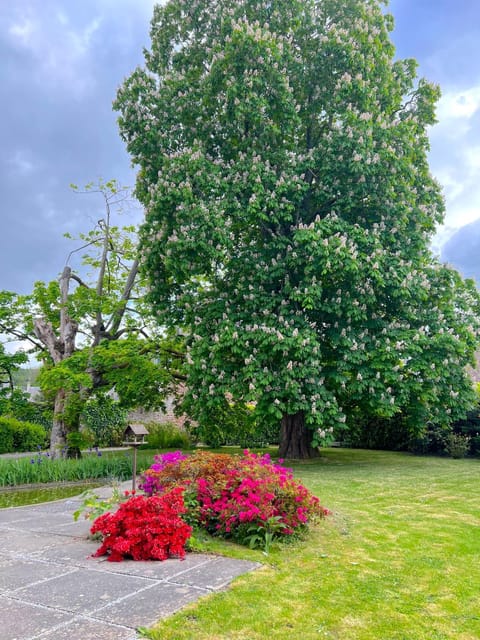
(399, 559)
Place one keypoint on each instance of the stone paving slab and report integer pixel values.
(21, 620)
(24, 542)
(16, 573)
(137, 610)
(88, 629)
(52, 589)
(76, 552)
(41, 522)
(213, 576)
(81, 591)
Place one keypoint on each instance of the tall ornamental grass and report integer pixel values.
(41, 469)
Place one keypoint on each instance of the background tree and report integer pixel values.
(282, 155)
(92, 330)
(9, 364)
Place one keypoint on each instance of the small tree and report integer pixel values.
(9, 364)
(10, 397)
(282, 155)
(92, 331)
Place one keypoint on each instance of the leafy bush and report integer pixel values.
(457, 446)
(20, 436)
(166, 435)
(93, 505)
(105, 419)
(461, 438)
(166, 470)
(39, 414)
(369, 432)
(248, 498)
(144, 528)
(431, 440)
(17, 404)
(235, 424)
(470, 427)
(6, 436)
(76, 441)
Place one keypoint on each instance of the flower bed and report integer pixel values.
(249, 499)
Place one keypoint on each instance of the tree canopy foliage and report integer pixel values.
(282, 154)
(9, 365)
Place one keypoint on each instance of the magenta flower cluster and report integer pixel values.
(150, 483)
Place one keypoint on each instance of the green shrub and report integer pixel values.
(78, 440)
(166, 435)
(6, 436)
(105, 419)
(235, 424)
(35, 413)
(470, 427)
(20, 436)
(17, 404)
(457, 446)
(431, 440)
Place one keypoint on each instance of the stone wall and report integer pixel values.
(161, 417)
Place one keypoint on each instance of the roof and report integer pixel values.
(137, 429)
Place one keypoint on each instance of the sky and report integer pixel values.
(61, 62)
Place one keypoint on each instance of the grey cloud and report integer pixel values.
(61, 66)
(463, 251)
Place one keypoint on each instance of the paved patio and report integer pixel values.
(51, 588)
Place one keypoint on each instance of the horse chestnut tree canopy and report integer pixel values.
(282, 154)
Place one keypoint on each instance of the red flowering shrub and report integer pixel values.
(246, 498)
(144, 528)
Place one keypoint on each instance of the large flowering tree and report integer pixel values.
(282, 155)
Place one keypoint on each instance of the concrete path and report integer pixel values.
(52, 589)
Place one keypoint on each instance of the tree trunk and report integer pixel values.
(296, 438)
(58, 435)
(59, 348)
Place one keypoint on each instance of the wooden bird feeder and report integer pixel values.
(134, 435)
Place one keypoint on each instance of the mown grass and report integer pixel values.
(397, 560)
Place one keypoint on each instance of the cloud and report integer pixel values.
(63, 60)
(444, 37)
(459, 105)
(61, 65)
(455, 157)
(462, 251)
(22, 163)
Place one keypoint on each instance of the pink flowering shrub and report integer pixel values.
(144, 528)
(246, 498)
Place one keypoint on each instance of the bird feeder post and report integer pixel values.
(134, 436)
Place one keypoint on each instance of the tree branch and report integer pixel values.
(74, 276)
